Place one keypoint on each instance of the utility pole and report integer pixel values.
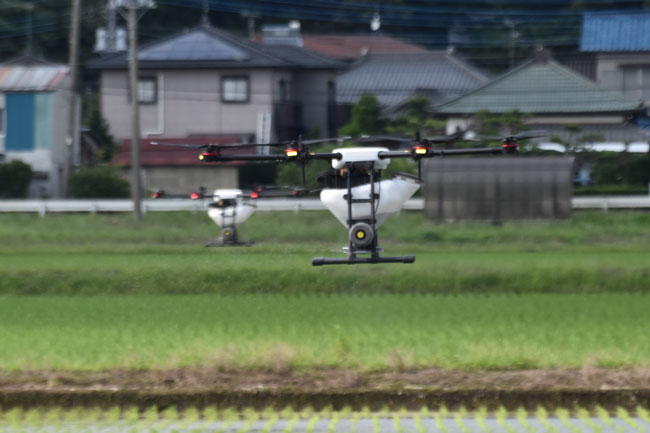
(132, 16)
(73, 61)
(136, 181)
(512, 35)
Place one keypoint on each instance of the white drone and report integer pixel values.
(230, 208)
(354, 191)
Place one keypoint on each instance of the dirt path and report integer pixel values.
(334, 380)
(587, 387)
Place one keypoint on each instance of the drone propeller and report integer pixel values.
(521, 136)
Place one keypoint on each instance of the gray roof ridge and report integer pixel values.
(490, 83)
(472, 70)
(313, 54)
(590, 83)
(241, 42)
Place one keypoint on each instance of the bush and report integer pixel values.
(98, 182)
(620, 167)
(597, 190)
(14, 179)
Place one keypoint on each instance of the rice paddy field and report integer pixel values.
(86, 296)
(325, 421)
(95, 292)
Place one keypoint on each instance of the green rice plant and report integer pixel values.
(501, 415)
(542, 415)
(131, 415)
(585, 417)
(459, 416)
(292, 423)
(191, 414)
(563, 415)
(271, 420)
(170, 414)
(376, 428)
(33, 417)
(624, 415)
(210, 414)
(643, 413)
(397, 423)
(354, 426)
(479, 415)
(439, 416)
(250, 414)
(419, 425)
(603, 415)
(287, 412)
(150, 415)
(334, 421)
(311, 424)
(12, 418)
(307, 412)
(521, 414)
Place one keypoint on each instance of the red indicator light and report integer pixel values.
(194, 196)
(254, 194)
(155, 195)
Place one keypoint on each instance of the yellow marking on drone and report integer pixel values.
(361, 234)
(291, 153)
(421, 151)
(201, 157)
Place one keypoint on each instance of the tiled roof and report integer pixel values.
(161, 155)
(354, 46)
(395, 78)
(615, 32)
(540, 86)
(31, 78)
(209, 47)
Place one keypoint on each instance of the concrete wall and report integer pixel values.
(312, 91)
(497, 188)
(179, 180)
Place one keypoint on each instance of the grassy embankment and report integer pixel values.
(561, 294)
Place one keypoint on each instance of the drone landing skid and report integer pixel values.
(320, 261)
(220, 243)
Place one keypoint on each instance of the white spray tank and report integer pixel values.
(230, 208)
(392, 193)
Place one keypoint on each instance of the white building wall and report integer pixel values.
(189, 103)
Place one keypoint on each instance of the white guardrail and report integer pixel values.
(55, 206)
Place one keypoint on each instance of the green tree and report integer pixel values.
(99, 129)
(417, 117)
(366, 118)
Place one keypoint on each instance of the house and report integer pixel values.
(554, 98)
(620, 46)
(33, 120)
(395, 78)
(207, 83)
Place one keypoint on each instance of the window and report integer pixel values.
(234, 89)
(331, 92)
(284, 93)
(147, 90)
